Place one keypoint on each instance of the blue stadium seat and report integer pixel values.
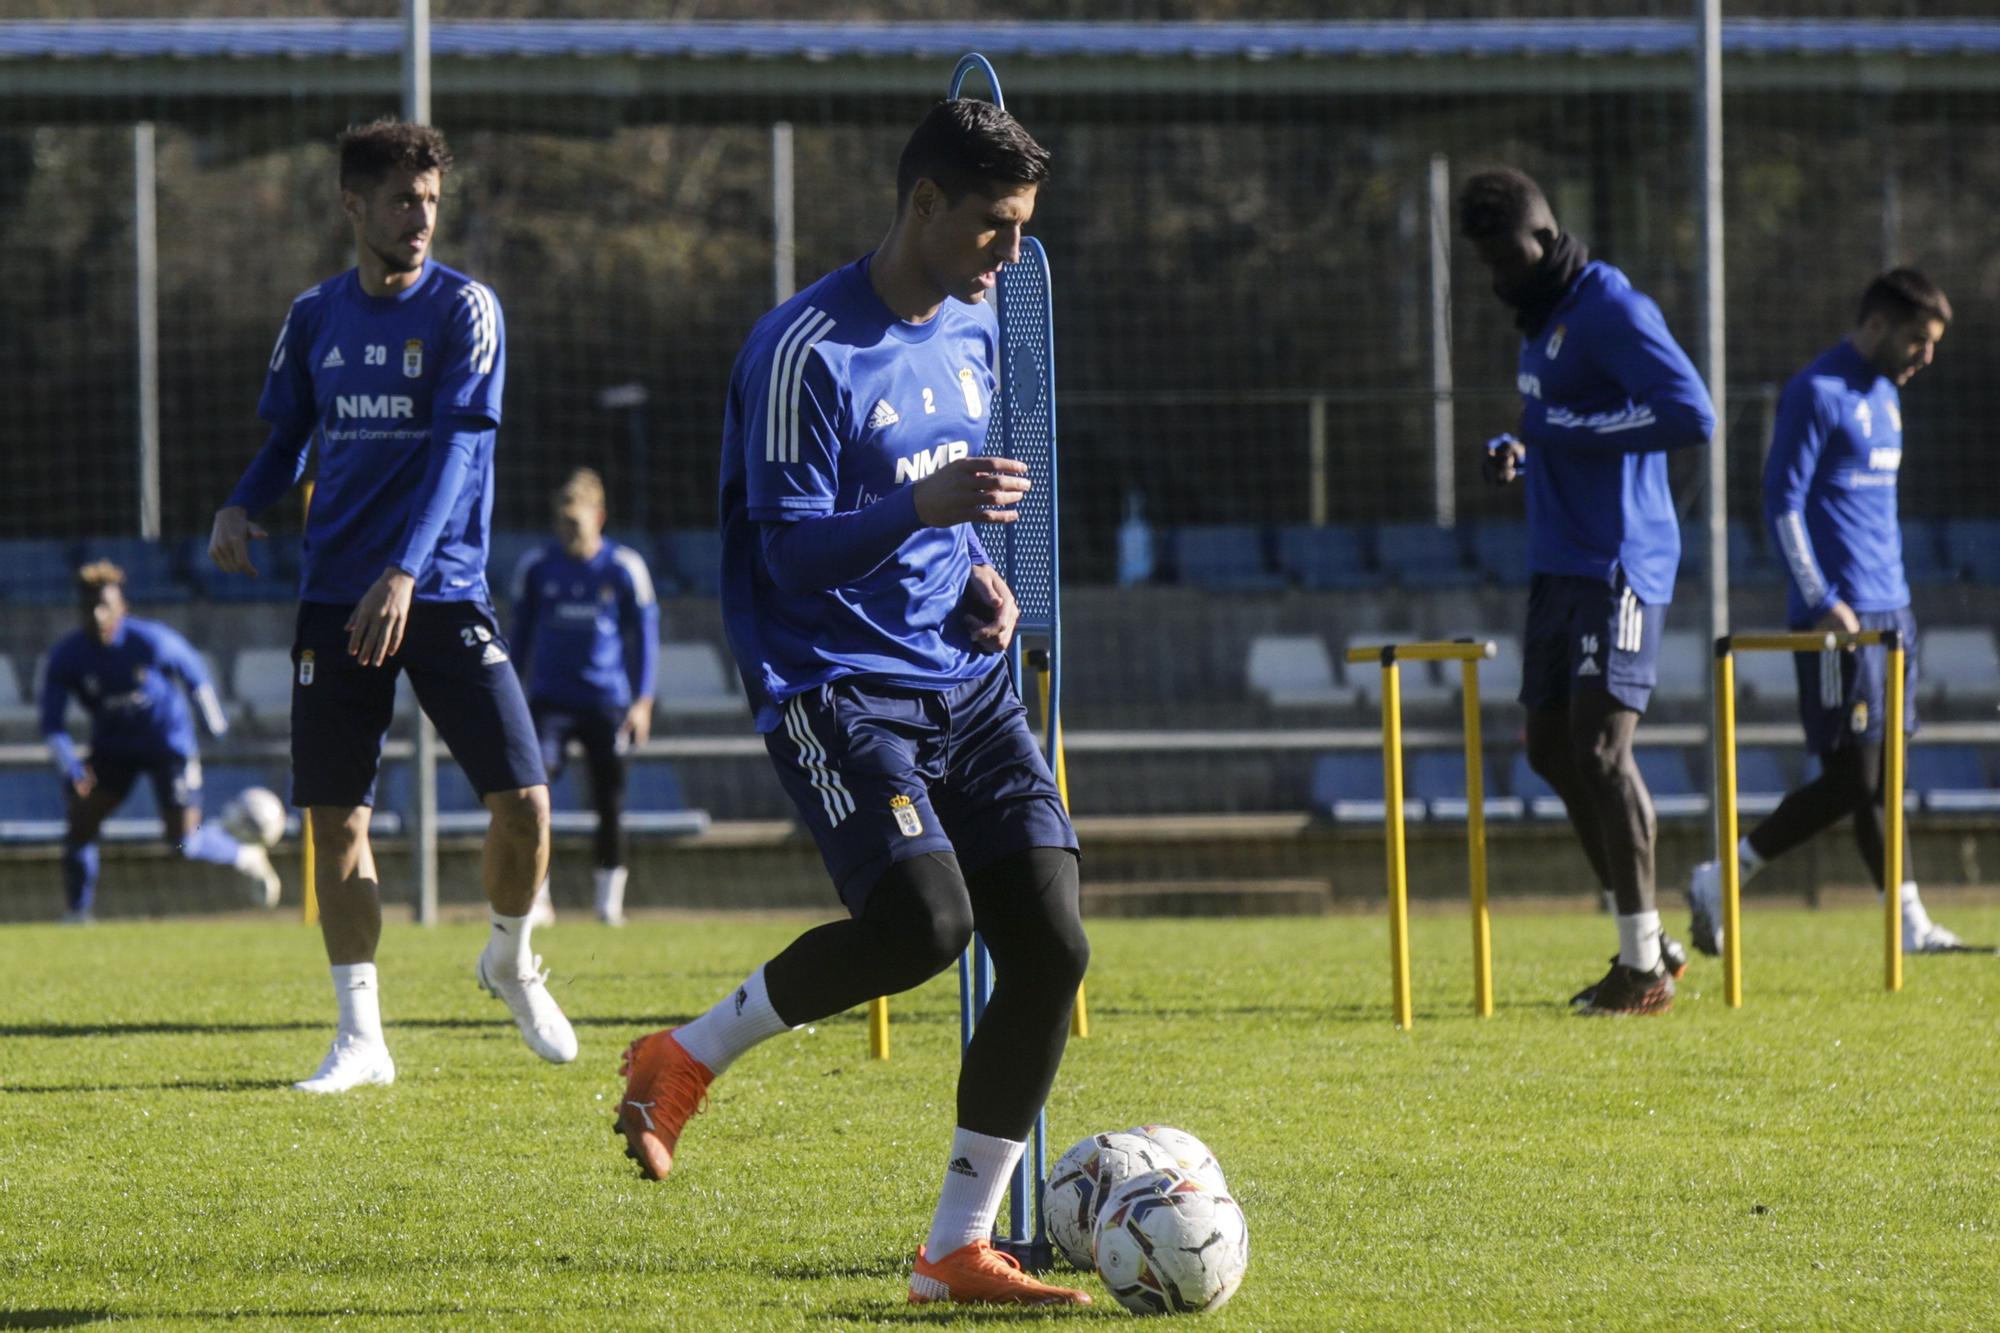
(1423, 555)
(154, 575)
(223, 783)
(1675, 795)
(1973, 547)
(38, 573)
(1761, 782)
(1437, 778)
(1924, 559)
(654, 802)
(1347, 788)
(1222, 557)
(1337, 556)
(693, 559)
(1749, 558)
(1540, 798)
(31, 805)
(1951, 779)
(1500, 550)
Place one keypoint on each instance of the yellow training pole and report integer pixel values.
(878, 1028)
(1892, 815)
(1725, 824)
(309, 871)
(1475, 842)
(1392, 814)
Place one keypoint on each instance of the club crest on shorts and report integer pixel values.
(1857, 721)
(306, 667)
(907, 818)
(413, 359)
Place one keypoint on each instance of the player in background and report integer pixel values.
(1605, 392)
(395, 367)
(587, 642)
(130, 674)
(1830, 503)
(868, 625)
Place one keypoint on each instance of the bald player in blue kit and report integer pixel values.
(393, 372)
(868, 625)
(1605, 393)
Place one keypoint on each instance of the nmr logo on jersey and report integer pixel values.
(919, 465)
(377, 405)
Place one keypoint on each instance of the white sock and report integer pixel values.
(738, 1021)
(508, 949)
(975, 1176)
(1639, 941)
(610, 890)
(250, 860)
(1748, 863)
(360, 1000)
(1915, 918)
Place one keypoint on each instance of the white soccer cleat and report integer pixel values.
(535, 1011)
(1929, 937)
(254, 864)
(1705, 907)
(542, 912)
(350, 1063)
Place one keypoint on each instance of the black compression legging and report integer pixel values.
(1850, 782)
(918, 920)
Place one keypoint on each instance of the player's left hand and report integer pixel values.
(990, 610)
(638, 724)
(375, 630)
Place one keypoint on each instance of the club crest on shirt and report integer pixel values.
(413, 359)
(969, 386)
(306, 667)
(1556, 341)
(1857, 721)
(907, 818)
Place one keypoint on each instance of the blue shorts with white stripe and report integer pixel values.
(1842, 693)
(882, 773)
(1589, 634)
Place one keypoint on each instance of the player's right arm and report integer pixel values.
(792, 438)
(55, 730)
(287, 405)
(1805, 419)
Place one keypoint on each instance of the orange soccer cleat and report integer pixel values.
(978, 1274)
(665, 1087)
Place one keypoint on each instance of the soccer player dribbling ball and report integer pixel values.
(1605, 392)
(129, 675)
(1830, 502)
(396, 367)
(587, 642)
(869, 625)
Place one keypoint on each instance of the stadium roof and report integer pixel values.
(51, 63)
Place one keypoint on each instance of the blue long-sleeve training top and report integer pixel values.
(586, 632)
(132, 689)
(1830, 486)
(1605, 392)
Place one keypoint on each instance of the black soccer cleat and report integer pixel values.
(1672, 956)
(1626, 990)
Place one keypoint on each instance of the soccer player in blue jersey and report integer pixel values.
(587, 641)
(868, 623)
(1830, 503)
(130, 675)
(1605, 392)
(395, 369)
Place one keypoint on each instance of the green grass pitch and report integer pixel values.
(1823, 1158)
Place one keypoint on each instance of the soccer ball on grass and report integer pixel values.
(1080, 1180)
(1165, 1245)
(1187, 1153)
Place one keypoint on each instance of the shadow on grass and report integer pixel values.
(155, 1029)
(52, 1318)
(944, 1312)
(77, 1318)
(185, 1085)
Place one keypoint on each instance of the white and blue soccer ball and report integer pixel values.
(1187, 1153)
(255, 814)
(1079, 1181)
(1165, 1245)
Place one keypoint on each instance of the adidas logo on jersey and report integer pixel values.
(493, 656)
(334, 360)
(883, 415)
